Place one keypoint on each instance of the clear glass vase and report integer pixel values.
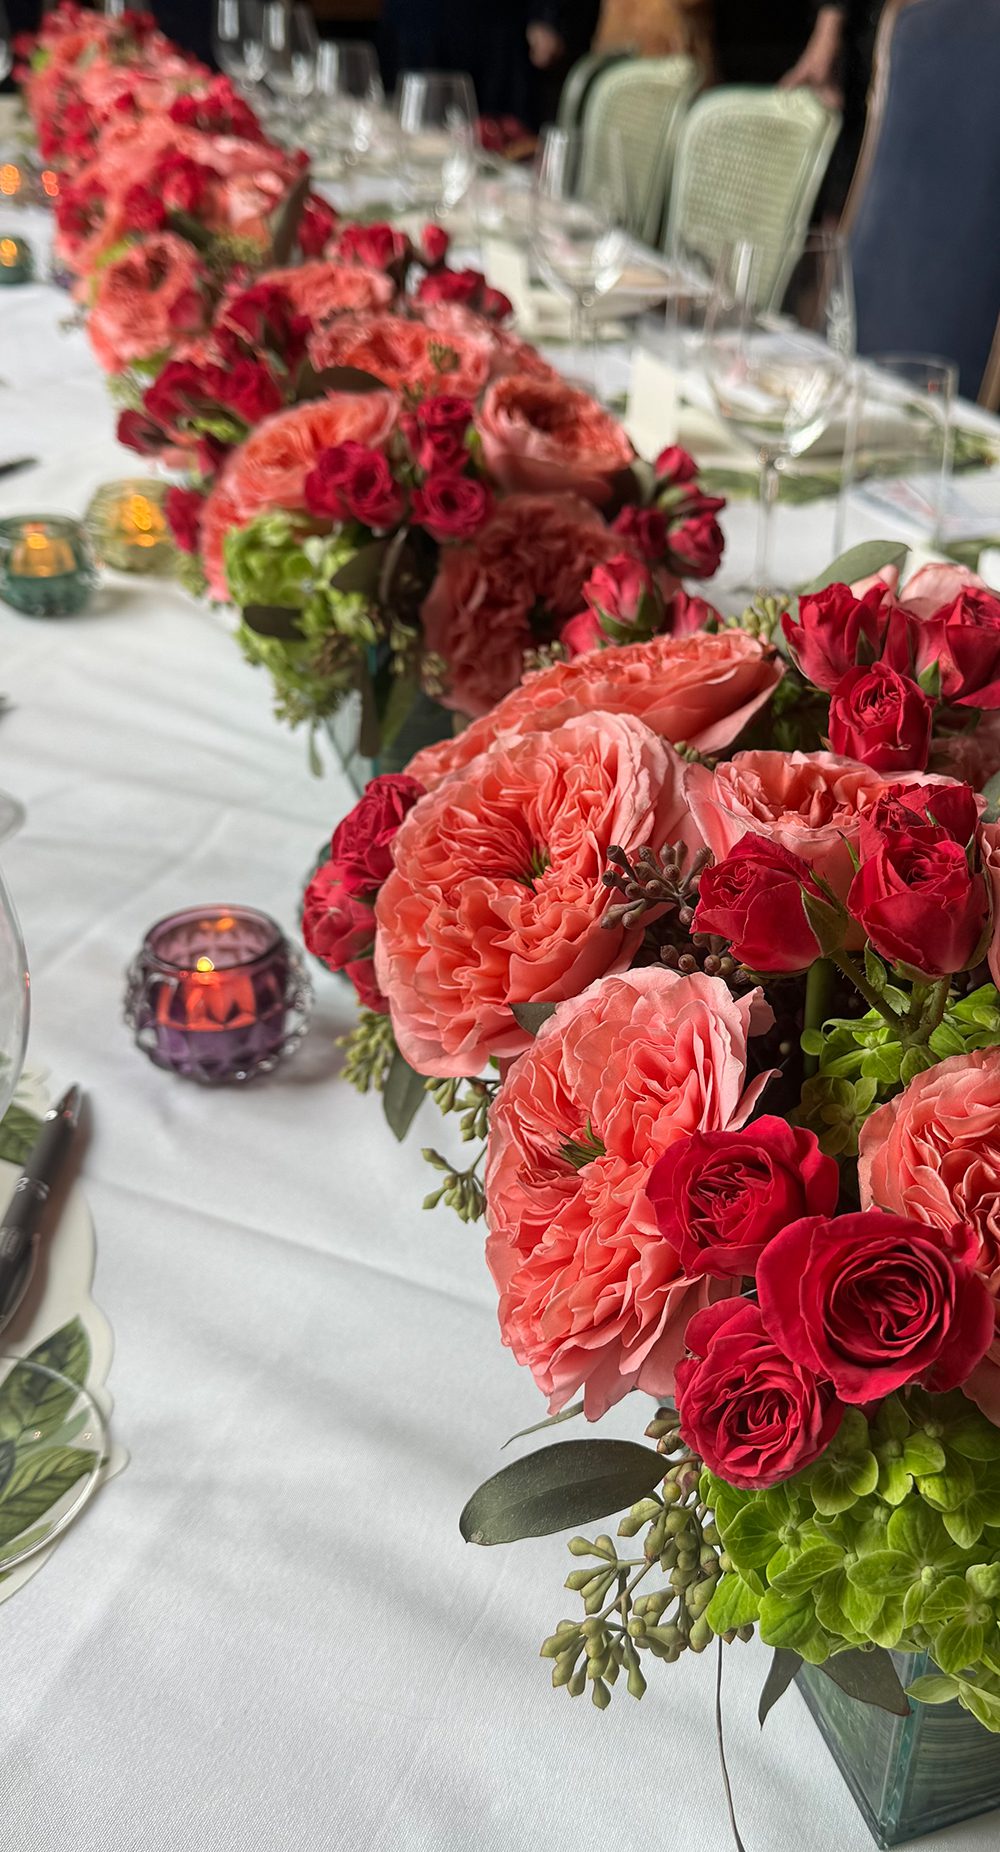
(426, 723)
(909, 1775)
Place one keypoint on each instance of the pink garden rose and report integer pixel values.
(146, 300)
(591, 1294)
(405, 354)
(933, 1154)
(496, 894)
(699, 689)
(545, 436)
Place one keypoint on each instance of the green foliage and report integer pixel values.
(462, 1190)
(891, 1539)
(370, 1047)
(863, 1061)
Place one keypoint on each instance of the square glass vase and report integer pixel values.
(909, 1775)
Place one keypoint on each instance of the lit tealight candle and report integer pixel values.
(217, 994)
(17, 264)
(45, 565)
(11, 180)
(128, 528)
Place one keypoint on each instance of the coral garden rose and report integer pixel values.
(323, 289)
(702, 690)
(522, 570)
(720, 1197)
(547, 437)
(933, 1154)
(806, 802)
(145, 300)
(874, 1301)
(592, 1295)
(405, 354)
(496, 895)
(754, 1417)
(270, 469)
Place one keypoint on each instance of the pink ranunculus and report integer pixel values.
(145, 300)
(523, 569)
(546, 436)
(699, 689)
(933, 1155)
(808, 802)
(496, 895)
(591, 1294)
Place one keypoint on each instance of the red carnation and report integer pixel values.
(361, 848)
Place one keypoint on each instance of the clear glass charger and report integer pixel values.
(53, 1445)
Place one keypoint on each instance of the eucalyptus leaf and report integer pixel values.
(316, 385)
(531, 1016)
(991, 792)
(859, 562)
(784, 1667)
(285, 223)
(18, 1131)
(273, 620)
(869, 1675)
(361, 572)
(551, 1421)
(401, 1097)
(571, 1483)
(39, 1481)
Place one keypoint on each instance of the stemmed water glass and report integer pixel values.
(291, 47)
(778, 358)
(436, 114)
(349, 96)
(6, 53)
(580, 234)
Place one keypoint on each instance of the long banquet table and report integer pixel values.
(268, 1633)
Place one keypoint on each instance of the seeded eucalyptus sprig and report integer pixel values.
(370, 1047)
(462, 1190)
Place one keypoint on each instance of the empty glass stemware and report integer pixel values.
(14, 1000)
(579, 224)
(291, 47)
(6, 53)
(349, 97)
(436, 113)
(779, 365)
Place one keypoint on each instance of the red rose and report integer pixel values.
(948, 807)
(437, 430)
(753, 1417)
(263, 317)
(139, 433)
(685, 615)
(697, 544)
(675, 465)
(753, 899)
(720, 1197)
(316, 226)
(251, 391)
(645, 529)
(361, 972)
(462, 286)
(618, 589)
(379, 246)
(434, 244)
(350, 479)
(873, 1302)
(494, 304)
(918, 900)
(337, 926)
(452, 507)
(970, 649)
(143, 209)
(182, 183)
(881, 718)
(182, 508)
(582, 633)
(361, 847)
(834, 629)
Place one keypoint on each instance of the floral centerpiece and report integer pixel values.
(722, 1015)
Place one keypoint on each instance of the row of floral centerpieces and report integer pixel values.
(694, 926)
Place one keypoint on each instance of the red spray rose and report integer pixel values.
(969, 643)
(675, 465)
(900, 807)
(918, 900)
(753, 899)
(452, 507)
(351, 479)
(434, 244)
(338, 926)
(834, 630)
(720, 1197)
(618, 588)
(645, 529)
(361, 847)
(436, 431)
(182, 508)
(881, 718)
(874, 1301)
(754, 1417)
(697, 543)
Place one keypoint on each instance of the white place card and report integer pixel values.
(652, 414)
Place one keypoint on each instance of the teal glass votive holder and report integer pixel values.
(17, 261)
(46, 569)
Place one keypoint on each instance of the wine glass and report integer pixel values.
(6, 54)
(237, 23)
(580, 225)
(778, 363)
(14, 996)
(291, 46)
(349, 96)
(436, 114)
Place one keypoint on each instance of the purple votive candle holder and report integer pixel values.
(217, 994)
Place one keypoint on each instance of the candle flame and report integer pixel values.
(8, 251)
(204, 964)
(10, 179)
(50, 183)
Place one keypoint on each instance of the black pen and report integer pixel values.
(19, 1228)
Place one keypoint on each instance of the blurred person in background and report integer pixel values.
(836, 65)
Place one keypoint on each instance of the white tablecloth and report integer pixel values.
(268, 1632)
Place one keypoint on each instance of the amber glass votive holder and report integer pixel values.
(217, 994)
